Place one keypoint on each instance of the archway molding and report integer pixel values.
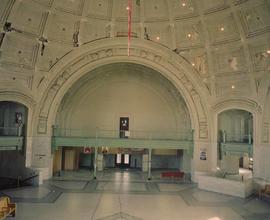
(106, 51)
(241, 104)
(30, 104)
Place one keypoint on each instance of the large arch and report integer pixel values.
(95, 54)
(77, 63)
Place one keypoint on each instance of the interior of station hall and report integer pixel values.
(185, 89)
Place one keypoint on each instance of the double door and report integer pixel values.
(122, 160)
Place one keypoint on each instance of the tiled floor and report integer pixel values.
(129, 196)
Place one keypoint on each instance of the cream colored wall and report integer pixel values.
(261, 160)
(146, 98)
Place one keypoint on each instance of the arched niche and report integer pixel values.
(52, 88)
(97, 101)
(78, 63)
(235, 126)
(30, 105)
(14, 120)
(247, 105)
(235, 140)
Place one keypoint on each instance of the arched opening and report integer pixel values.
(126, 112)
(13, 124)
(235, 142)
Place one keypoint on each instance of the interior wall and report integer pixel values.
(166, 162)
(266, 120)
(261, 158)
(150, 101)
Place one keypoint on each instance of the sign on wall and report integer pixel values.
(87, 150)
(203, 154)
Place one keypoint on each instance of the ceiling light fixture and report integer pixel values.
(183, 4)
(157, 38)
(222, 28)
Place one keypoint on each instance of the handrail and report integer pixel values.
(17, 181)
(29, 178)
(11, 131)
(236, 137)
(132, 134)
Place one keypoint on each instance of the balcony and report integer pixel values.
(236, 144)
(236, 138)
(11, 138)
(125, 139)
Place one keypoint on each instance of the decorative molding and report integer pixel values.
(120, 13)
(12, 78)
(255, 20)
(245, 104)
(98, 9)
(160, 32)
(260, 57)
(17, 56)
(229, 60)
(72, 7)
(17, 96)
(238, 2)
(47, 3)
(235, 85)
(30, 20)
(94, 56)
(62, 28)
(210, 6)
(266, 132)
(179, 12)
(189, 34)
(222, 28)
(5, 11)
(42, 125)
(156, 10)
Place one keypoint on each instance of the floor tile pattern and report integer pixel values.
(128, 195)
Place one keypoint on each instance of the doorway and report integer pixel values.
(122, 160)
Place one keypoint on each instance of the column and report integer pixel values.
(149, 163)
(95, 163)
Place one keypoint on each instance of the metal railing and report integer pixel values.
(132, 134)
(11, 131)
(236, 138)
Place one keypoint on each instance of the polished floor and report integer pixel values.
(127, 195)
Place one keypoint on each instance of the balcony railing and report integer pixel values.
(132, 134)
(11, 131)
(236, 138)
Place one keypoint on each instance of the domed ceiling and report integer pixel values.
(226, 41)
